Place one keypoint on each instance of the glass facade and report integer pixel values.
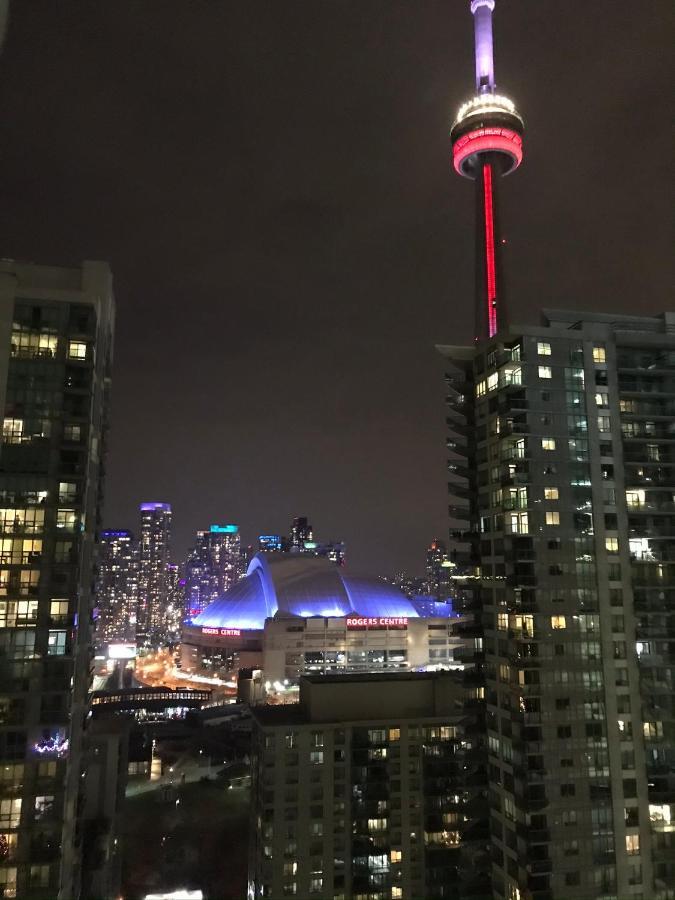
(55, 349)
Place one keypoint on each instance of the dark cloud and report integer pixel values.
(270, 183)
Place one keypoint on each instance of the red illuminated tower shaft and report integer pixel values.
(487, 143)
(490, 301)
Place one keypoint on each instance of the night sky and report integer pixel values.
(270, 184)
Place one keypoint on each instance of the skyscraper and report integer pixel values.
(301, 531)
(212, 567)
(56, 328)
(117, 587)
(370, 787)
(573, 524)
(438, 570)
(153, 561)
(175, 603)
(487, 143)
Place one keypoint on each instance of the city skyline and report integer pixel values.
(337, 246)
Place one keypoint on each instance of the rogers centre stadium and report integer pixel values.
(294, 614)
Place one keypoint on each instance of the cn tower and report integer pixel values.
(487, 143)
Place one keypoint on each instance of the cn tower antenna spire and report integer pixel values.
(487, 143)
(482, 28)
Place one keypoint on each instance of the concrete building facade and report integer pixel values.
(562, 441)
(371, 789)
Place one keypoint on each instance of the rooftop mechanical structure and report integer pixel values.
(487, 143)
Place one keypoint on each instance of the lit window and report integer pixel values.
(66, 518)
(551, 493)
(517, 523)
(315, 884)
(552, 518)
(632, 844)
(396, 892)
(481, 388)
(58, 609)
(548, 443)
(545, 372)
(492, 381)
(604, 423)
(396, 856)
(77, 350)
(652, 730)
(635, 498)
(558, 622)
(612, 545)
(56, 643)
(543, 349)
(10, 813)
(67, 491)
(394, 734)
(377, 824)
(44, 806)
(502, 621)
(8, 881)
(660, 814)
(599, 355)
(72, 433)
(601, 399)
(12, 431)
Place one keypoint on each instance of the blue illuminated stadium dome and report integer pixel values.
(280, 584)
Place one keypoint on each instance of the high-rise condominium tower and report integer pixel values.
(212, 567)
(370, 787)
(487, 143)
(570, 485)
(117, 588)
(153, 586)
(56, 329)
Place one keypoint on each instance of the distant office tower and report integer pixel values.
(212, 567)
(270, 543)
(56, 328)
(175, 605)
(371, 786)
(117, 587)
(570, 487)
(153, 561)
(438, 570)
(301, 531)
(246, 554)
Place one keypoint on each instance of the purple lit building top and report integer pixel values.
(154, 507)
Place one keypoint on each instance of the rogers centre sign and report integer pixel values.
(385, 622)
(223, 632)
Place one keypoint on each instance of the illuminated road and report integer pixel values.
(159, 670)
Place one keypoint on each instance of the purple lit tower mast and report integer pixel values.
(487, 142)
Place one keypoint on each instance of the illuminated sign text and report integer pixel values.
(380, 622)
(223, 632)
